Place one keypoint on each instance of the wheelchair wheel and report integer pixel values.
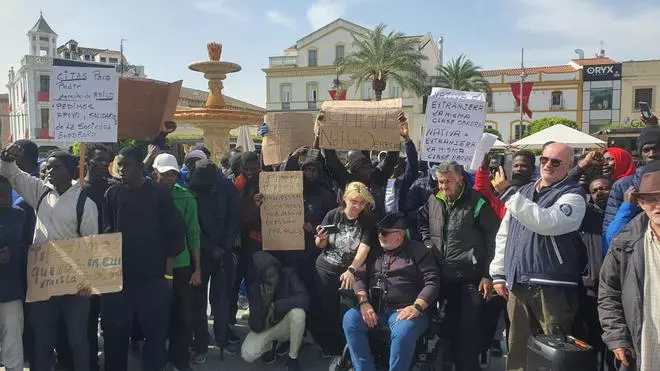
(341, 363)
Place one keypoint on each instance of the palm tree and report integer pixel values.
(379, 57)
(460, 74)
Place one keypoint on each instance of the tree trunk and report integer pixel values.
(378, 85)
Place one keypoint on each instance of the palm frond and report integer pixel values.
(379, 56)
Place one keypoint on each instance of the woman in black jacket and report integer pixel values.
(345, 248)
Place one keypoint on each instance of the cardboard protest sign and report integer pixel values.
(144, 105)
(287, 131)
(454, 125)
(83, 101)
(361, 125)
(57, 268)
(282, 213)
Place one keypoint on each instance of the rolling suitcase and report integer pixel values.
(559, 353)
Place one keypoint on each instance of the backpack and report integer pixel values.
(80, 206)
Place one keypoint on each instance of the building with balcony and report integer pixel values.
(301, 79)
(556, 92)
(640, 83)
(29, 83)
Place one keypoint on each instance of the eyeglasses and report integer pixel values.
(553, 161)
(649, 200)
(385, 233)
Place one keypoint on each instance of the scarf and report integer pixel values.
(623, 163)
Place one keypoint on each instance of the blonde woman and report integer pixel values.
(345, 247)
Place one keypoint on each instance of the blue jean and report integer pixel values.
(404, 335)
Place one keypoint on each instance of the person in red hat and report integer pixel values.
(628, 309)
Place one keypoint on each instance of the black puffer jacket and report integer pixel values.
(621, 288)
(290, 292)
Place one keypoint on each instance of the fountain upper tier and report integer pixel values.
(214, 113)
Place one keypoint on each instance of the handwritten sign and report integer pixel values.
(282, 213)
(83, 101)
(361, 125)
(62, 267)
(287, 131)
(454, 125)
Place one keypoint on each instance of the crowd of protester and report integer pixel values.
(568, 247)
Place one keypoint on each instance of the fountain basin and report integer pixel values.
(214, 66)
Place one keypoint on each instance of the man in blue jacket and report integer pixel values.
(648, 144)
(538, 254)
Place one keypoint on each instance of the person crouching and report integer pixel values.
(278, 301)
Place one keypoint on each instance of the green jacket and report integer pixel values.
(186, 204)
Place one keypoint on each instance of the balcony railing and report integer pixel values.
(286, 106)
(311, 105)
(283, 61)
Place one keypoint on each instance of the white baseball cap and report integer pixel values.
(166, 162)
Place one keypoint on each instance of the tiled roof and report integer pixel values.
(593, 61)
(528, 70)
(42, 26)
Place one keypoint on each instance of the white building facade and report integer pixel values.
(300, 80)
(556, 92)
(29, 83)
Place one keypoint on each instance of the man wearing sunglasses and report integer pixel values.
(538, 262)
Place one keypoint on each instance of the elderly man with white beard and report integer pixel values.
(391, 293)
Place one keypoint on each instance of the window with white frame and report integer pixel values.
(312, 92)
(286, 93)
(396, 91)
(367, 91)
(519, 130)
(312, 57)
(555, 100)
(339, 52)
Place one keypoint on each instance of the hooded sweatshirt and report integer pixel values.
(289, 293)
(186, 205)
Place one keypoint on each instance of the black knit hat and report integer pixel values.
(650, 134)
(69, 161)
(392, 221)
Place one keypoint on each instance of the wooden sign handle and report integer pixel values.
(82, 164)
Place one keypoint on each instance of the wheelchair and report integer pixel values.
(429, 350)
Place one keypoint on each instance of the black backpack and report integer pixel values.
(80, 206)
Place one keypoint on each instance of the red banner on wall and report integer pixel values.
(526, 92)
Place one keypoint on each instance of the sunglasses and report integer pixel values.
(553, 161)
(384, 232)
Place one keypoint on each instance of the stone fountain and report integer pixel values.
(214, 119)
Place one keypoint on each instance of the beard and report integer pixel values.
(518, 179)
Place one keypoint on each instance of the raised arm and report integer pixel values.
(564, 216)
(29, 187)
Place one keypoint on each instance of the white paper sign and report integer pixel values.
(484, 146)
(454, 125)
(84, 103)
